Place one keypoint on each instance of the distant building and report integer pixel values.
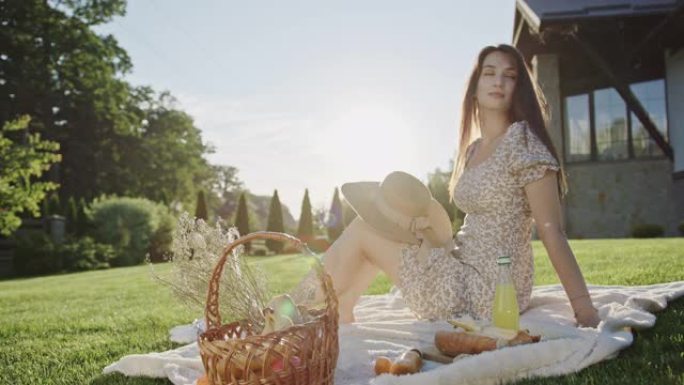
(613, 75)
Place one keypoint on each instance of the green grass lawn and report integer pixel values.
(65, 329)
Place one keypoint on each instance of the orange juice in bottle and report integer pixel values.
(505, 312)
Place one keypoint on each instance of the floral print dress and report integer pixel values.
(452, 283)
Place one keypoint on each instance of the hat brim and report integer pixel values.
(361, 197)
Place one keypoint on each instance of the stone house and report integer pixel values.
(613, 75)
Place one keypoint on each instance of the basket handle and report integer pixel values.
(211, 313)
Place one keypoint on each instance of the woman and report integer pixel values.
(502, 180)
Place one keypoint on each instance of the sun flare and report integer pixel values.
(368, 139)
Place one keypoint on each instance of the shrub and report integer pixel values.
(647, 230)
(681, 228)
(290, 249)
(35, 254)
(133, 226)
(160, 243)
(259, 252)
(85, 254)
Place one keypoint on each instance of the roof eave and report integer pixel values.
(528, 14)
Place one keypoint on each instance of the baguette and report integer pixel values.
(455, 343)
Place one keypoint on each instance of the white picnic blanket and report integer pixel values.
(385, 326)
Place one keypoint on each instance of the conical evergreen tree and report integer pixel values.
(242, 219)
(305, 229)
(275, 223)
(201, 207)
(335, 223)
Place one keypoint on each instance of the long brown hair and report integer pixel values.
(529, 104)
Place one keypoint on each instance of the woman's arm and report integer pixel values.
(545, 204)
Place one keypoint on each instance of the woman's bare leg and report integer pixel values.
(354, 260)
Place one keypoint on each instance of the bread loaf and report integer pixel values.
(382, 365)
(410, 362)
(455, 343)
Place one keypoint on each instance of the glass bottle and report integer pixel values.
(505, 312)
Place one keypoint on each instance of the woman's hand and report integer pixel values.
(587, 317)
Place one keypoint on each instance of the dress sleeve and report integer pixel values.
(530, 159)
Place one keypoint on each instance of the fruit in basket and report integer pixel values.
(280, 313)
(278, 364)
(274, 322)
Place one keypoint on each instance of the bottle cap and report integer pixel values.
(505, 260)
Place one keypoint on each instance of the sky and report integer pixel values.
(313, 94)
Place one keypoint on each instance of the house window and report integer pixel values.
(652, 97)
(599, 126)
(611, 125)
(578, 138)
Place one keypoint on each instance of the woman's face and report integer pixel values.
(497, 82)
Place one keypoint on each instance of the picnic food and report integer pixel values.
(453, 343)
(382, 365)
(505, 311)
(294, 353)
(408, 363)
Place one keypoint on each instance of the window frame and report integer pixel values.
(593, 156)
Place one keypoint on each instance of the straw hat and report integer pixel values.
(400, 208)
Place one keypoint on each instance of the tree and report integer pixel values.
(335, 223)
(305, 231)
(226, 188)
(225, 181)
(82, 218)
(24, 157)
(115, 138)
(242, 219)
(201, 207)
(54, 205)
(171, 165)
(275, 223)
(71, 215)
(62, 73)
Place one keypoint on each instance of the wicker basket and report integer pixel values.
(303, 354)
